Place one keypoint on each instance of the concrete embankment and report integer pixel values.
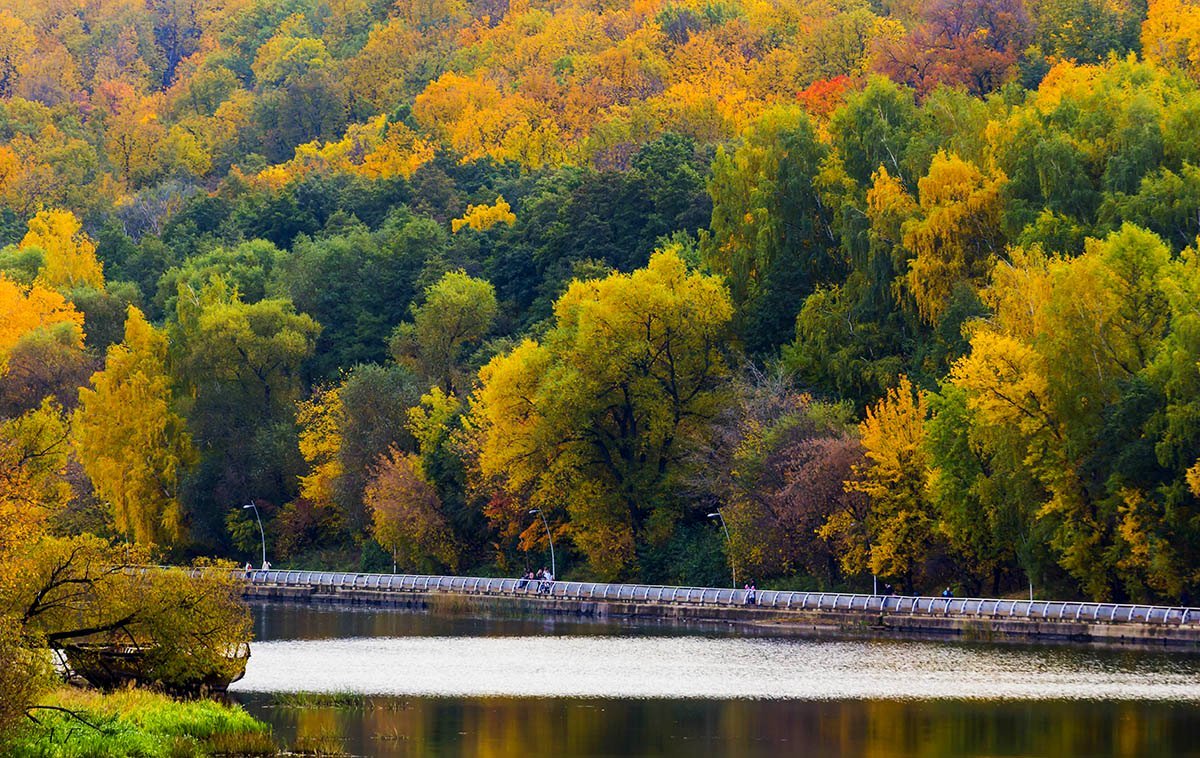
(753, 619)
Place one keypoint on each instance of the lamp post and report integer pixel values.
(729, 541)
(261, 533)
(549, 536)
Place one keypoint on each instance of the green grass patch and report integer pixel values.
(339, 700)
(323, 745)
(139, 723)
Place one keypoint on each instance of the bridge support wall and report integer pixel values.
(750, 618)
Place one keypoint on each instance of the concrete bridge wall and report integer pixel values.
(863, 617)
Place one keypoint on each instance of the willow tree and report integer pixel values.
(132, 444)
(592, 423)
(957, 236)
(771, 236)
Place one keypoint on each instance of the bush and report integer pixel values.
(24, 673)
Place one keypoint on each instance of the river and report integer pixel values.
(412, 684)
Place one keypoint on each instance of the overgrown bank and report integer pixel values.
(137, 723)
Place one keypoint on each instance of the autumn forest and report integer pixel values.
(907, 288)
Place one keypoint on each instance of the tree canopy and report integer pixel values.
(904, 288)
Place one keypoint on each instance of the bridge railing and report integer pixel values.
(983, 608)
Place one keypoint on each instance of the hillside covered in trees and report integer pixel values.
(904, 287)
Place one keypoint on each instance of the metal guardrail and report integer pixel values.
(984, 608)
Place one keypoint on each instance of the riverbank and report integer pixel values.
(917, 622)
(138, 722)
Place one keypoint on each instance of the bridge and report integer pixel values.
(876, 615)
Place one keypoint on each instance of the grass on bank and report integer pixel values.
(139, 723)
(347, 701)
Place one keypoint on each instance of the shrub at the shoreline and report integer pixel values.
(138, 722)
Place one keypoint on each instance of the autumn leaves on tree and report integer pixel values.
(901, 288)
(594, 420)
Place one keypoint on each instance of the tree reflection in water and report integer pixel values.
(411, 725)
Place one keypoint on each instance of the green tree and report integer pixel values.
(985, 498)
(246, 268)
(358, 285)
(456, 312)
(874, 129)
(239, 361)
(593, 422)
(1055, 372)
(771, 233)
(256, 347)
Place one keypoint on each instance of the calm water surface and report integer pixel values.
(438, 686)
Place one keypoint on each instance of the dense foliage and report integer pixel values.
(905, 288)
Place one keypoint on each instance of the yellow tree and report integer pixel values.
(888, 206)
(22, 312)
(33, 457)
(1171, 34)
(70, 255)
(11, 169)
(900, 533)
(132, 444)
(320, 419)
(49, 74)
(16, 44)
(474, 117)
(400, 153)
(484, 217)
(430, 421)
(956, 236)
(134, 135)
(56, 170)
(388, 67)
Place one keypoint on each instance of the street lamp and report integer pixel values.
(549, 536)
(732, 568)
(261, 533)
